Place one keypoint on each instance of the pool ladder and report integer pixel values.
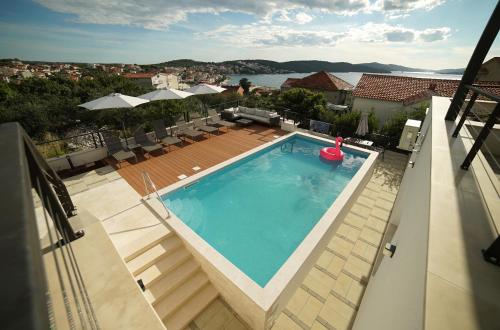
(284, 147)
(151, 188)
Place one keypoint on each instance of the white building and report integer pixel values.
(156, 80)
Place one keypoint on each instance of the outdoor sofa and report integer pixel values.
(259, 115)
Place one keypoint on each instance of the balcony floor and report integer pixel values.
(164, 169)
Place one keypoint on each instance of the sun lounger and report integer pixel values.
(185, 131)
(142, 141)
(215, 121)
(198, 125)
(162, 136)
(116, 149)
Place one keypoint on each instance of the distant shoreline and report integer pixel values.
(274, 80)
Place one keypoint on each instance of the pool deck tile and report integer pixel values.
(355, 220)
(320, 283)
(340, 246)
(318, 326)
(348, 232)
(332, 291)
(310, 311)
(371, 236)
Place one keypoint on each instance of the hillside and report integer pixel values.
(259, 66)
(393, 67)
(265, 66)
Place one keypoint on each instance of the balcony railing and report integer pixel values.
(467, 85)
(27, 302)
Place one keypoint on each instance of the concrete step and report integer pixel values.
(191, 308)
(163, 266)
(171, 281)
(146, 242)
(175, 300)
(154, 254)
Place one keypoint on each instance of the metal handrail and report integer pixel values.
(148, 183)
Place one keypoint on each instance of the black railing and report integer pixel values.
(26, 299)
(482, 48)
(492, 253)
(79, 142)
(467, 85)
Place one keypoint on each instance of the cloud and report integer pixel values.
(386, 33)
(258, 35)
(399, 36)
(408, 5)
(303, 18)
(430, 35)
(160, 14)
(265, 35)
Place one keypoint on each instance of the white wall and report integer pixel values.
(394, 298)
(385, 109)
(382, 109)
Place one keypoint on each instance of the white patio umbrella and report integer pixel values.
(114, 101)
(165, 94)
(203, 89)
(363, 125)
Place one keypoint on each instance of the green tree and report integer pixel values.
(307, 104)
(396, 123)
(245, 84)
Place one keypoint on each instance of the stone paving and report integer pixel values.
(92, 179)
(331, 294)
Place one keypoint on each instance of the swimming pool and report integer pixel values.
(276, 210)
(256, 211)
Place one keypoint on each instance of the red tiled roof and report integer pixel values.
(322, 81)
(410, 89)
(288, 83)
(232, 89)
(141, 75)
(398, 88)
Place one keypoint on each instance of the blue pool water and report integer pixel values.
(255, 212)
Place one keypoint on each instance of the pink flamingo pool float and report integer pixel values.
(333, 153)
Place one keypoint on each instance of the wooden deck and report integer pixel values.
(165, 168)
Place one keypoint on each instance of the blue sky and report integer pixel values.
(419, 33)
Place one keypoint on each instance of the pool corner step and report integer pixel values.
(163, 266)
(141, 244)
(171, 303)
(157, 252)
(191, 308)
(172, 280)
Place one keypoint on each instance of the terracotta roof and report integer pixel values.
(322, 81)
(232, 89)
(493, 59)
(141, 75)
(288, 83)
(410, 89)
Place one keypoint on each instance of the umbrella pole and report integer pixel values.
(123, 127)
(124, 135)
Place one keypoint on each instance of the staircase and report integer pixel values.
(174, 283)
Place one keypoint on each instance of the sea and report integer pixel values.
(275, 80)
